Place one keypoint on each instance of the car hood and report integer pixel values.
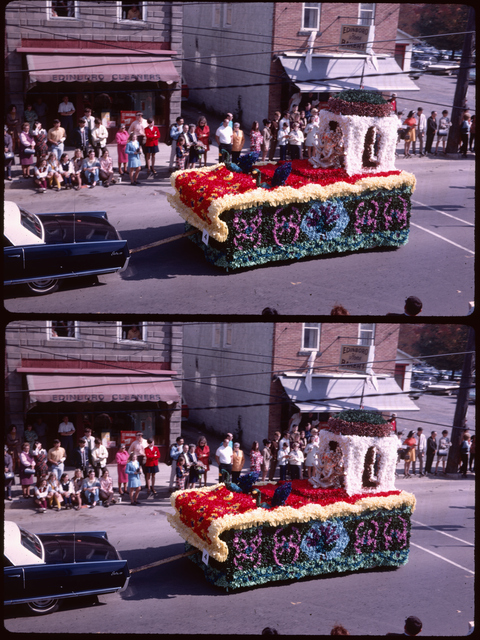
(62, 228)
(71, 547)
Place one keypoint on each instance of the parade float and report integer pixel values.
(347, 197)
(347, 517)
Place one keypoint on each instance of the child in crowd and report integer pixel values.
(54, 175)
(54, 495)
(181, 152)
(66, 170)
(66, 490)
(40, 175)
(41, 493)
(181, 472)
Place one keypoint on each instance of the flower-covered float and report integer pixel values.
(359, 202)
(290, 530)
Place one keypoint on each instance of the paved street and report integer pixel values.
(436, 584)
(436, 265)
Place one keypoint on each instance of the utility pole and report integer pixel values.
(459, 101)
(459, 420)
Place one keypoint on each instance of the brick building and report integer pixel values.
(116, 377)
(255, 54)
(105, 55)
(249, 378)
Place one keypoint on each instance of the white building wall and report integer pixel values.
(204, 66)
(218, 375)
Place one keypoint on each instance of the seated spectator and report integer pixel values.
(40, 175)
(54, 495)
(90, 168)
(66, 170)
(66, 490)
(53, 174)
(106, 488)
(41, 493)
(78, 487)
(90, 488)
(77, 168)
(106, 168)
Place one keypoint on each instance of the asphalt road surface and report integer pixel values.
(437, 264)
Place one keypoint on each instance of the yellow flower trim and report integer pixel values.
(279, 197)
(282, 516)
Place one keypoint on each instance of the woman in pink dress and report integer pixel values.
(121, 139)
(202, 132)
(256, 137)
(121, 459)
(256, 457)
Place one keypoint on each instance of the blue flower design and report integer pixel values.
(317, 222)
(317, 543)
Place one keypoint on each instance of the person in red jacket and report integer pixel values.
(152, 455)
(152, 136)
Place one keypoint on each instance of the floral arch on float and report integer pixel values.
(348, 197)
(346, 518)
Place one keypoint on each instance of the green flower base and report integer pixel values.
(256, 556)
(265, 234)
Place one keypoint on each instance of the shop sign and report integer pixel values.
(127, 117)
(78, 397)
(127, 437)
(354, 357)
(354, 37)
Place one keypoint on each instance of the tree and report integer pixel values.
(432, 19)
(433, 339)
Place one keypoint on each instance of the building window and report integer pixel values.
(366, 333)
(62, 329)
(222, 334)
(311, 16)
(132, 11)
(227, 14)
(132, 332)
(62, 9)
(217, 15)
(311, 336)
(366, 13)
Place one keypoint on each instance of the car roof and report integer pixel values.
(13, 548)
(13, 228)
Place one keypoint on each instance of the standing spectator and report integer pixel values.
(41, 429)
(202, 132)
(296, 460)
(285, 118)
(14, 445)
(9, 474)
(267, 456)
(256, 137)
(138, 447)
(40, 136)
(410, 124)
(27, 470)
(138, 127)
(274, 446)
(274, 127)
(30, 436)
(443, 446)
(66, 490)
(133, 472)
(175, 131)
(121, 138)
(27, 150)
(311, 134)
(296, 140)
(472, 136)
(56, 139)
(9, 154)
(393, 102)
(444, 125)
(152, 455)
(13, 125)
(133, 152)
(193, 154)
(283, 455)
(181, 472)
(238, 461)
(267, 136)
(30, 115)
(431, 449)
(65, 112)
(66, 171)
(91, 488)
(464, 132)
(121, 458)
(81, 136)
(99, 457)
(56, 458)
(472, 454)
(420, 131)
(99, 137)
(256, 457)
(464, 451)
(40, 495)
(411, 444)
(203, 455)
(106, 168)
(90, 123)
(431, 131)
(311, 452)
(420, 451)
(40, 456)
(106, 492)
(223, 456)
(181, 152)
(41, 111)
(81, 457)
(152, 137)
(175, 450)
(193, 469)
(224, 136)
(65, 433)
(238, 141)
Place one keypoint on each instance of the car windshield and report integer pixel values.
(31, 222)
(31, 542)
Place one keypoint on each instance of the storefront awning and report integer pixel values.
(100, 388)
(100, 68)
(345, 72)
(339, 393)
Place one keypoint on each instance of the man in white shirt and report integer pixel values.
(65, 112)
(420, 451)
(175, 450)
(175, 130)
(421, 129)
(65, 432)
(224, 456)
(224, 136)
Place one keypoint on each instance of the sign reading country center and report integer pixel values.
(354, 357)
(354, 37)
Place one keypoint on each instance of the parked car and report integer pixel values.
(41, 569)
(419, 64)
(41, 249)
(444, 68)
(418, 384)
(443, 388)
